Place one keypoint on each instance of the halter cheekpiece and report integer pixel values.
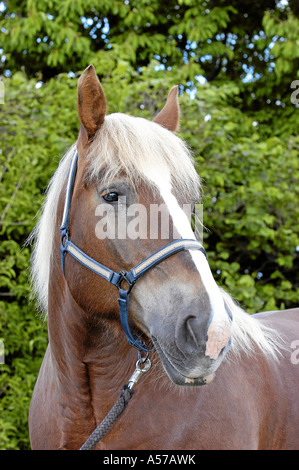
(117, 279)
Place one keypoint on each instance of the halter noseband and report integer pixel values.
(131, 276)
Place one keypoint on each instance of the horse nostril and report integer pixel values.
(192, 336)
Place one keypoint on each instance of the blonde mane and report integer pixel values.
(143, 151)
(137, 148)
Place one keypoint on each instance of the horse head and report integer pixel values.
(133, 178)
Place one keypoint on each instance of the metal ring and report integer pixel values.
(146, 363)
(143, 360)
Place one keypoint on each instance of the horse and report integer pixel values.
(219, 378)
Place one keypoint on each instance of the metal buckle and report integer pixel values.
(123, 277)
(63, 247)
(64, 237)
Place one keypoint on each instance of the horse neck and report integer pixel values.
(90, 355)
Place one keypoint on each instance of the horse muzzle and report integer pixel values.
(192, 354)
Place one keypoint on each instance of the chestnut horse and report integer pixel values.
(195, 332)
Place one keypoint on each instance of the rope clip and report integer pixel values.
(139, 371)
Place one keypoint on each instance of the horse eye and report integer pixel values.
(111, 197)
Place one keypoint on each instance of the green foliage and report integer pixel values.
(251, 200)
(242, 129)
(33, 139)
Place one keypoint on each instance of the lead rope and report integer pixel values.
(119, 407)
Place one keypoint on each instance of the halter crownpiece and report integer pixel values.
(131, 276)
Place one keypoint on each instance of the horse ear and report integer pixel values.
(169, 116)
(92, 105)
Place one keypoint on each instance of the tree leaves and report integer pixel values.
(250, 202)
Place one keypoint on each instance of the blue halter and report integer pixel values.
(131, 276)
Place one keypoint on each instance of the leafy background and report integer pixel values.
(235, 62)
